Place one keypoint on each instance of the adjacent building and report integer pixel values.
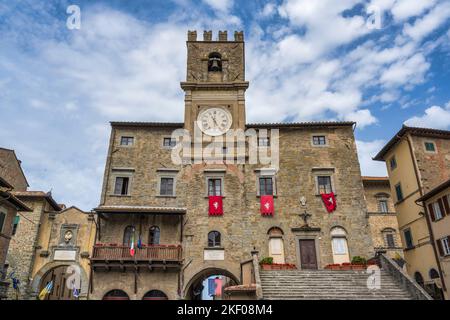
(437, 202)
(417, 160)
(382, 217)
(160, 233)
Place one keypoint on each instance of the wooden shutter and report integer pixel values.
(446, 204)
(441, 206)
(430, 208)
(440, 247)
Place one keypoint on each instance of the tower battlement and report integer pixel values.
(222, 36)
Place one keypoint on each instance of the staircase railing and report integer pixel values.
(259, 292)
(403, 278)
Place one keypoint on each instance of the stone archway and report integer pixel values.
(40, 275)
(198, 278)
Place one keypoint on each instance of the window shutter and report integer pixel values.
(430, 208)
(440, 247)
(446, 204)
(441, 206)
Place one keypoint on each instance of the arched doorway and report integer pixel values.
(116, 294)
(200, 287)
(155, 295)
(60, 289)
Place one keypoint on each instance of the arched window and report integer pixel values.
(116, 295)
(276, 245)
(434, 274)
(215, 62)
(419, 279)
(155, 295)
(389, 237)
(127, 235)
(214, 239)
(153, 235)
(339, 245)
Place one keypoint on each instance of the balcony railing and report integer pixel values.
(153, 253)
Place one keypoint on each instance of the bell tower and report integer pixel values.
(215, 77)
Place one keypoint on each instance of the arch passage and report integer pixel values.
(59, 291)
(195, 286)
(155, 295)
(116, 294)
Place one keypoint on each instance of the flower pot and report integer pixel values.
(358, 267)
(266, 266)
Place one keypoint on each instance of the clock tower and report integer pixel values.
(215, 83)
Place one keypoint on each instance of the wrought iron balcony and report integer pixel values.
(151, 256)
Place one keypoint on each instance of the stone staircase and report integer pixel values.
(328, 285)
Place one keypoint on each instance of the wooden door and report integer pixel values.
(308, 257)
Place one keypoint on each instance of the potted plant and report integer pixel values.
(358, 263)
(334, 266)
(266, 263)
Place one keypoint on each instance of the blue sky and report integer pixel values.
(306, 60)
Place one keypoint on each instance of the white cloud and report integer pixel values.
(366, 151)
(220, 5)
(430, 22)
(434, 117)
(363, 118)
(404, 9)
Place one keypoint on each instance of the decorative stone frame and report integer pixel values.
(382, 196)
(425, 148)
(68, 227)
(170, 174)
(121, 173)
(126, 145)
(307, 234)
(215, 174)
(327, 144)
(324, 172)
(266, 173)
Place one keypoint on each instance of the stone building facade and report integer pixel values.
(150, 199)
(417, 161)
(51, 245)
(382, 216)
(11, 178)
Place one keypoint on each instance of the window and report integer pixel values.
(266, 186)
(393, 163)
(126, 141)
(390, 242)
(319, 140)
(214, 187)
(166, 187)
(383, 206)
(2, 220)
(436, 210)
(339, 241)
(214, 239)
(408, 238)
(153, 235)
(324, 184)
(398, 192)
(263, 142)
(121, 186)
(15, 224)
(433, 274)
(430, 147)
(169, 142)
(446, 246)
(128, 235)
(419, 279)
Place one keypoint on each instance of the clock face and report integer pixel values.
(214, 121)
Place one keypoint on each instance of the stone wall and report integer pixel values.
(434, 168)
(11, 171)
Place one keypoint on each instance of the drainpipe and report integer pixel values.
(427, 217)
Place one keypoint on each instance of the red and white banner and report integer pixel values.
(267, 208)
(215, 206)
(330, 201)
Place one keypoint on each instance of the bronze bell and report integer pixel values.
(214, 63)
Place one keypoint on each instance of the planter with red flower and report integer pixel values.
(267, 264)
